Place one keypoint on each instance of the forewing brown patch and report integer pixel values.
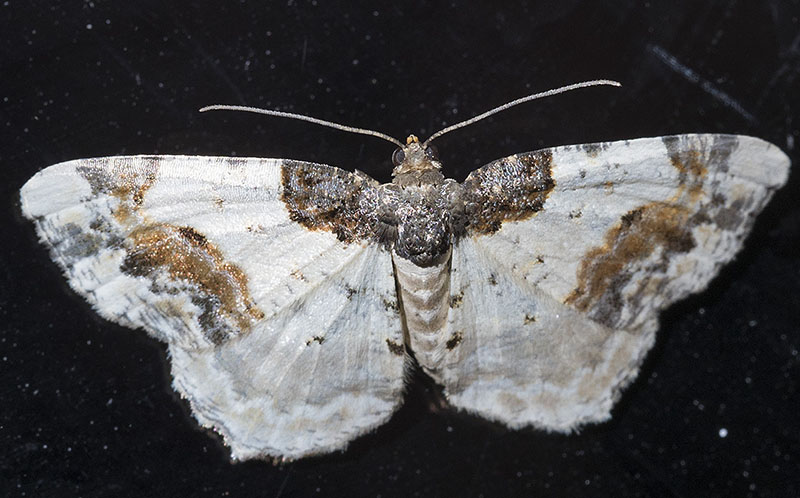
(509, 189)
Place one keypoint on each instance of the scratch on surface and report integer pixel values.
(210, 61)
(125, 64)
(283, 484)
(303, 56)
(788, 71)
(706, 85)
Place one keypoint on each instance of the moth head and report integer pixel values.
(415, 159)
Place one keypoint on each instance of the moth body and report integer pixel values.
(427, 211)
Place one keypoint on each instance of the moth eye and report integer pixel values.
(432, 153)
(398, 156)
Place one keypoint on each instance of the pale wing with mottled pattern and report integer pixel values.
(565, 296)
(520, 357)
(224, 260)
(632, 226)
(311, 379)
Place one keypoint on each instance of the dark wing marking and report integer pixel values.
(509, 189)
(321, 197)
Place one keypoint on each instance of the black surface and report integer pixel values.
(86, 407)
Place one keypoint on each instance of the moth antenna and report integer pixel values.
(301, 117)
(534, 96)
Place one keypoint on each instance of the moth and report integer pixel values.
(294, 297)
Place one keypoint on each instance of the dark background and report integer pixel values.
(86, 407)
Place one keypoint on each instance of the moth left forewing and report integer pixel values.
(193, 249)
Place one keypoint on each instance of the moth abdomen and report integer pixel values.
(425, 294)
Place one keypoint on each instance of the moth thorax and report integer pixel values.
(425, 291)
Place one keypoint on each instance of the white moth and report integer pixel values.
(292, 295)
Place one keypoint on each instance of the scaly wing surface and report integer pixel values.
(281, 318)
(570, 255)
